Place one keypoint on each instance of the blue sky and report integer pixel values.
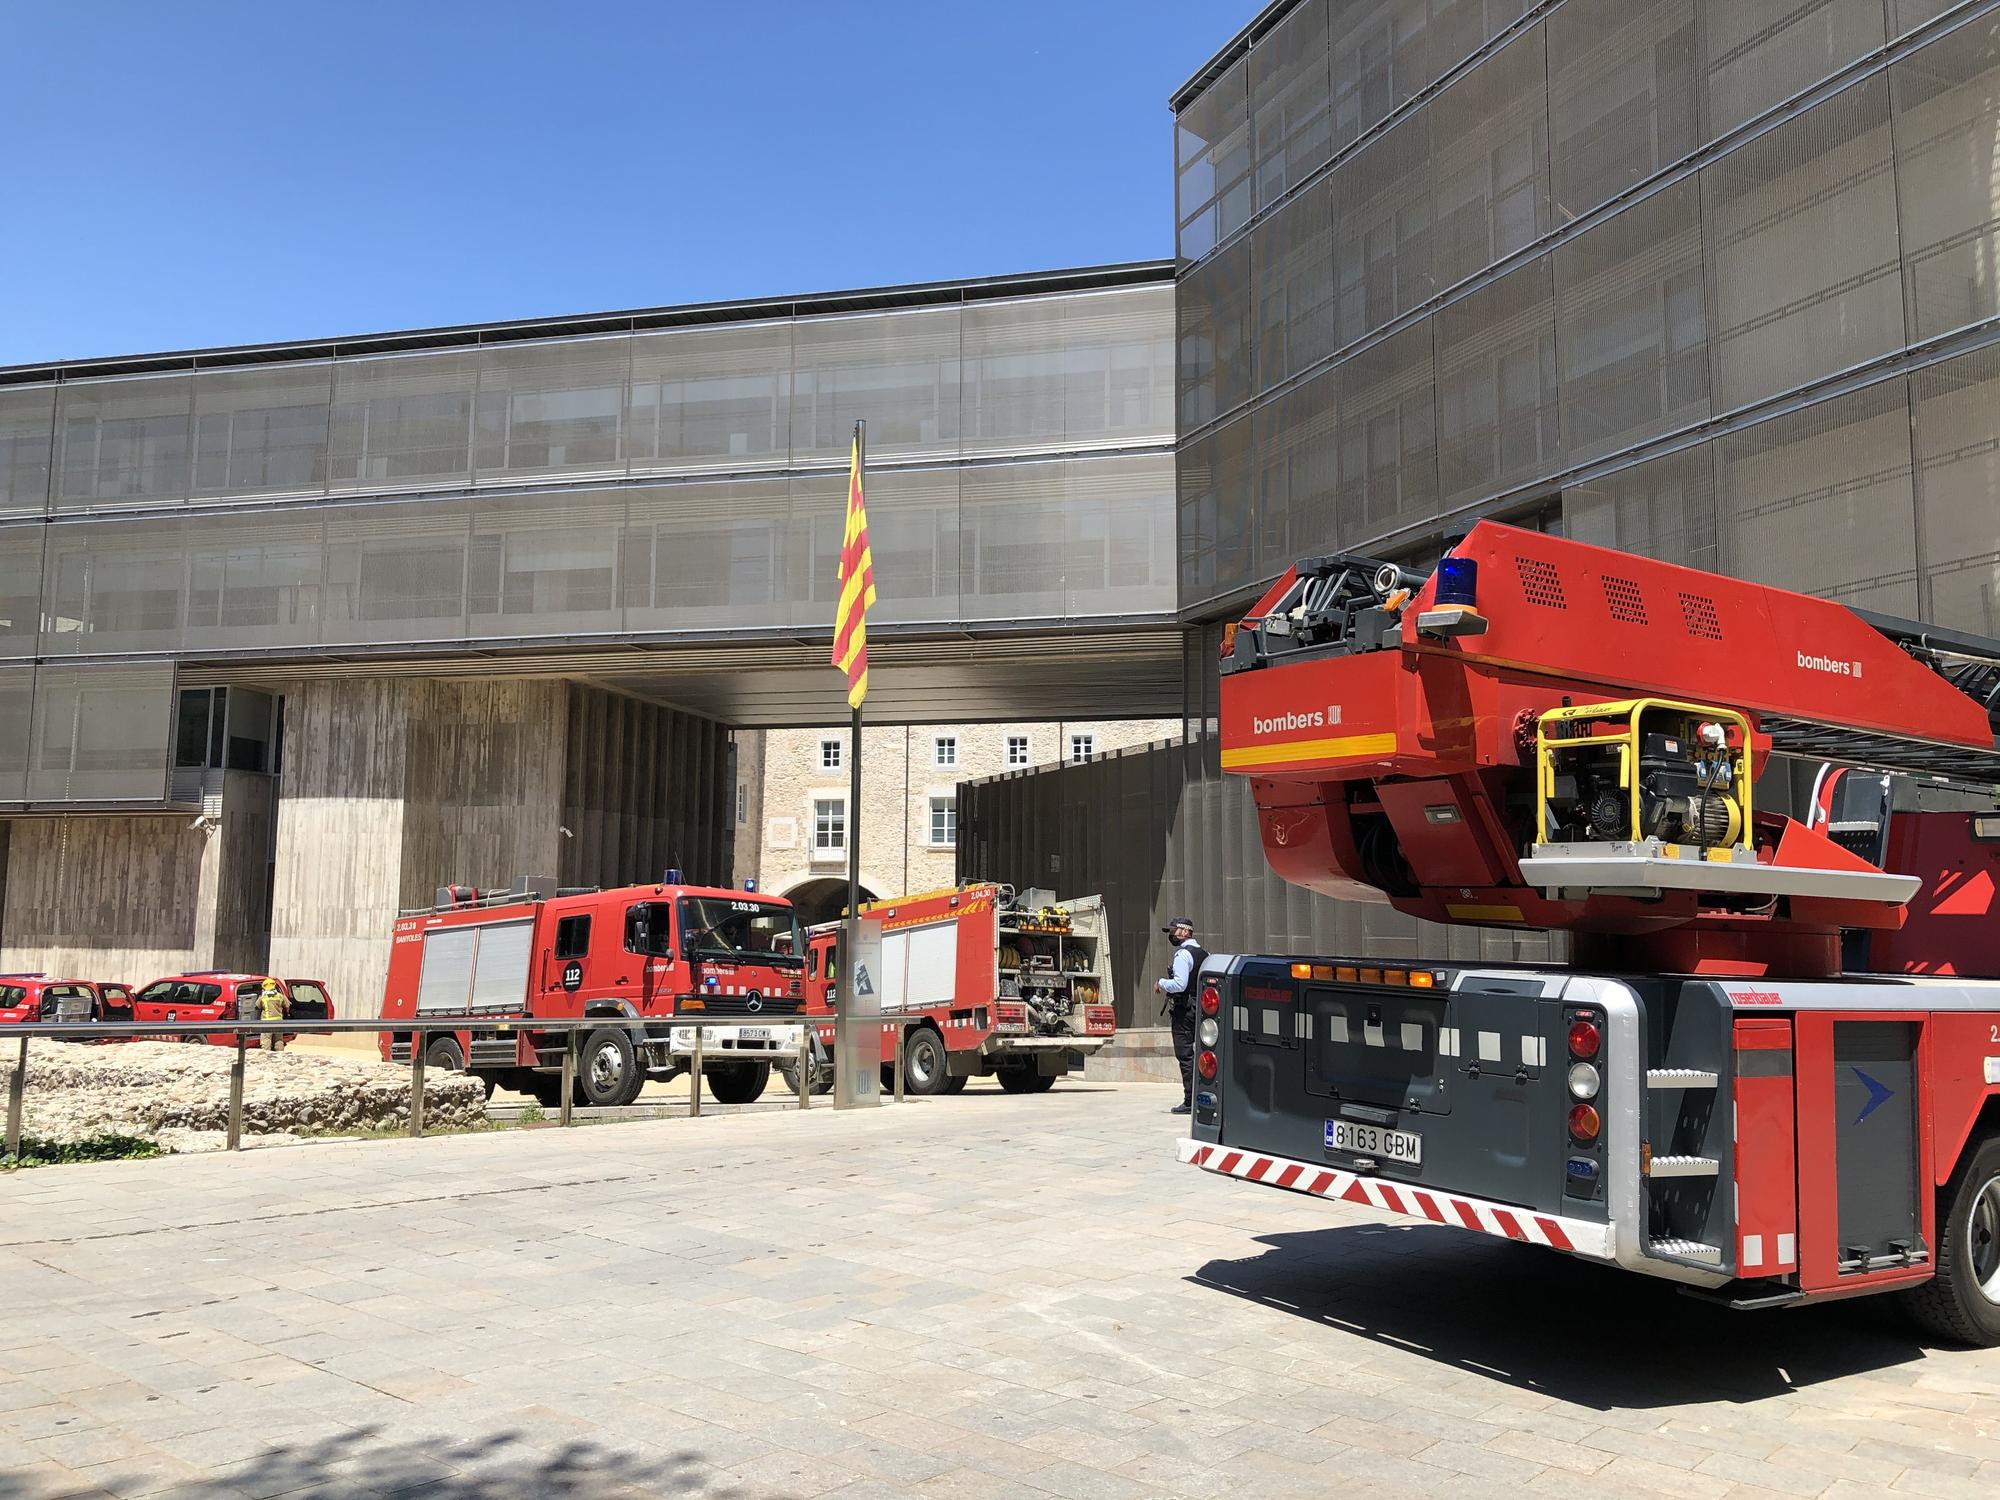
(197, 172)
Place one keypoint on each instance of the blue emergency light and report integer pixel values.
(673, 876)
(750, 884)
(1458, 581)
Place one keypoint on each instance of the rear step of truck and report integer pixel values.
(1693, 1251)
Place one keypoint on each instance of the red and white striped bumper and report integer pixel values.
(1577, 1236)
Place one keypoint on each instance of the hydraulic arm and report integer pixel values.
(1547, 734)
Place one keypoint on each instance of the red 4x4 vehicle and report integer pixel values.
(36, 997)
(216, 995)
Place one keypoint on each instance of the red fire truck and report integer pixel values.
(649, 959)
(1012, 986)
(1771, 1070)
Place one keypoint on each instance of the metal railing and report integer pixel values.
(569, 1028)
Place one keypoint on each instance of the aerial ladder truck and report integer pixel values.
(1765, 827)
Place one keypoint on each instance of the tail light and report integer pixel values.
(1211, 1000)
(1584, 1039)
(1584, 1123)
(1205, 1065)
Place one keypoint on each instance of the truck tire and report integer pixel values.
(1961, 1302)
(606, 1068)
(1025, 1080)
(822, 1077)
(737, 1082)
(924, 1066)
(442, 1053)
(955, 1083)
(545, 1089)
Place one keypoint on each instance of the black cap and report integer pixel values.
(1187, 922)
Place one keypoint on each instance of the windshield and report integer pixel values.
(741, 931)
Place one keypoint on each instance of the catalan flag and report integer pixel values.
(857, 589)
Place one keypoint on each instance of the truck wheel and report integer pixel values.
(443, 1053)
(545, 1089)
(606, 1068)
(737, 1082)
(955, 1083)
(1025, 1080)
(822, 1077)
(1962, 1301)
(924, 1066)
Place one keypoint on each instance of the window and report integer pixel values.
(1082, 748)
(829, 825)
(648, 929)
(1017, 749)
(573, 937)
(944, 750)
(829, 755)
(944, 822)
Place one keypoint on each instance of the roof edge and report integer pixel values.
(693, 314)
(1236, 47)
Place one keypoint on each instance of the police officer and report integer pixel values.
(1178, 992)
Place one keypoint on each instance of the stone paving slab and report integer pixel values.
(980, 1296)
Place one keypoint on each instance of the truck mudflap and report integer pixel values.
(1584, 1237)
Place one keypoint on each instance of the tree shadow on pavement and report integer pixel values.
(369, 1462)
(1582, 1332)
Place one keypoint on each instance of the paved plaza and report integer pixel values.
(973, 1296)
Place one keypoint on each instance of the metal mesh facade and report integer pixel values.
(1708, 280)
(673, 483)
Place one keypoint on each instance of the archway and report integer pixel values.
(823, 899)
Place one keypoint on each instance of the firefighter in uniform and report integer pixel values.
(271, 1005)
(1177, 990)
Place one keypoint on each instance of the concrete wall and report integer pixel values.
(132, 898)
(392, 788)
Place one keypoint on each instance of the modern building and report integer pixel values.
(1710, 280)
(291, 635)
(793, 790)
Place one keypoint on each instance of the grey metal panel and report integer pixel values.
(898, 370)
(546, 409)
(1662, 508)
(1875, 1139)
(402, 422)
(101, 733)
(262, 432)
(723, 553)
(1497, 390)
(1379, 61)
(501, 967)
(1631, 325)
(1383, 229)
(1296, 458)
(123, 443)
(27, 429)
(1490, 145)
(17, 703)
(710, 398)
(1803, 266)
(1388, 436)
(1958, 471)
(1946, 102)
(1214, 317)
(1292, 255)
(1908, 15)
(1623, 99)
(1291, 102)
(1820, 500)
(444, 985)
(20, 588)
(1757, 56)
